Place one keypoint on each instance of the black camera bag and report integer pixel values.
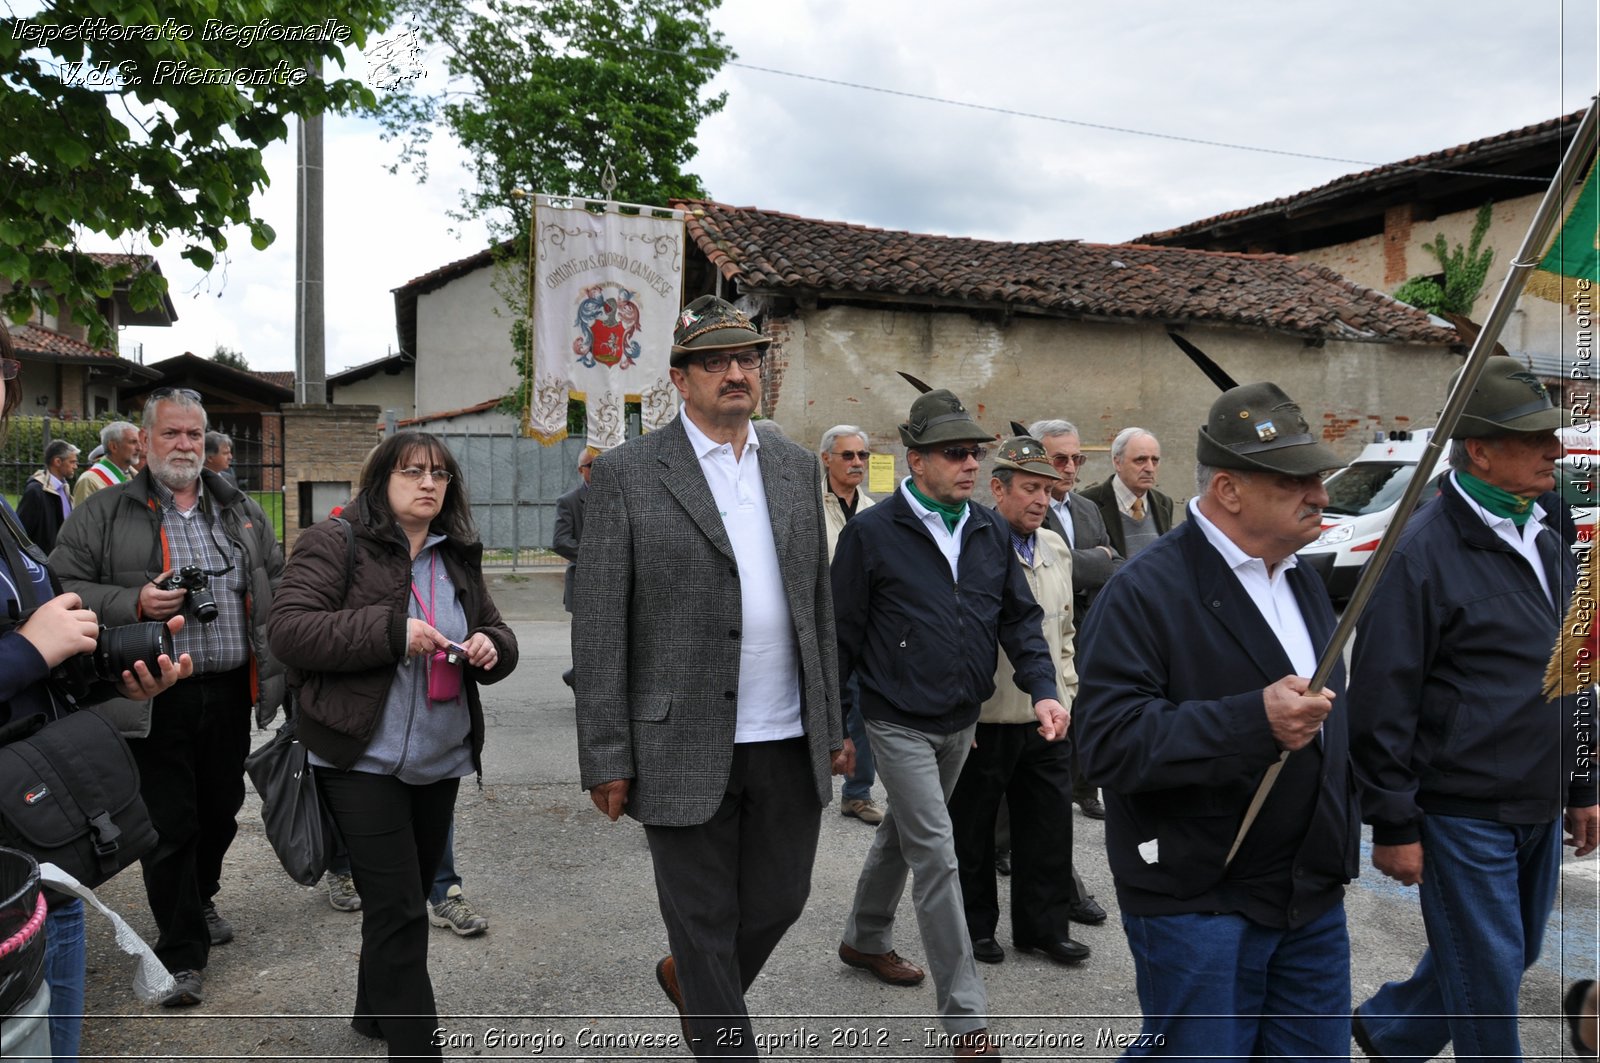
(70, 796)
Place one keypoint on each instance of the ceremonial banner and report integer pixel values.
(1572, 265)
(607, 287)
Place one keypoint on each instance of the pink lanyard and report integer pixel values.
(427, 610)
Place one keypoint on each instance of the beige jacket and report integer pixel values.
(1050, 579)
(834, 512)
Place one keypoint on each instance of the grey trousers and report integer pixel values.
(918, 771)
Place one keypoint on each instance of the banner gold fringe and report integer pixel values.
(1555, 288)
(1574, 658)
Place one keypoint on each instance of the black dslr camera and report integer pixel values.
(197, 581)
(116, 650)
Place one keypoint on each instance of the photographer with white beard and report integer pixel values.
(176, 540)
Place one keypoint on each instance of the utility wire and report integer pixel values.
(1114, 128)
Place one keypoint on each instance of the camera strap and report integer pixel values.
(14, 543)
(427, 610)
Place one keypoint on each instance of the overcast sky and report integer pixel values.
(1368, 81)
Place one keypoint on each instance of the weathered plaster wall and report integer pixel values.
(1385, 262)
(838, 365)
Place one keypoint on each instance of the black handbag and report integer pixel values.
(297, 823)
(70, 796)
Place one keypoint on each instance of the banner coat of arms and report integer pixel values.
(606, 291)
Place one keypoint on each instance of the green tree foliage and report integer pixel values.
(143, 121)
(1464, 269)
(230, 357)
(543, 93)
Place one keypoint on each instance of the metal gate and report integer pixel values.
(514, 484)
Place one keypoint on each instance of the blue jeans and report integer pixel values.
(63, 970)
(1221, 987)
(1487, 890)
(446, 875)
(858, 787)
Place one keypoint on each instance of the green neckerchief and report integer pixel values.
(950, 514)
(1496, 500)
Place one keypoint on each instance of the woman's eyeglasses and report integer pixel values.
(414, 474)
(10, 368)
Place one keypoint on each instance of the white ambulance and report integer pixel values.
(1363, 495)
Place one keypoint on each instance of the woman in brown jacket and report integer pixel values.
(386, 655)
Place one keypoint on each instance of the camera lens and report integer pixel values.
(122, 647)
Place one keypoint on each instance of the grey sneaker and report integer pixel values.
(342, 893)
(457, 913)
(220, 930)
(187, 993)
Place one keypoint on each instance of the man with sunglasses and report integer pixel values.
(118, 552)
(703, 661)
(844, 456)
(927, 588)
(1094, 561)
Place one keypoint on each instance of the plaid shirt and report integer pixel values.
(196, 538)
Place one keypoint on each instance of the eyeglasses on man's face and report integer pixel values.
(853, 455)
(960, 454)
(718, 361)
(1061, 461)
(415, 475)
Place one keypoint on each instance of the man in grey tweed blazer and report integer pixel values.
(706, 679)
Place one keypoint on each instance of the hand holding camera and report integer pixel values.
(60, 629)
(159, 600)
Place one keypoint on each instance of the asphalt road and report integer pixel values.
(566, 969)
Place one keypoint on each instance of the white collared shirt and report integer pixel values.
(947, 539)
(1270, 591)
(769, 667)
(1523, 540)
(1063, 510)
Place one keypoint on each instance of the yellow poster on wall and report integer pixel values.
(880, 474)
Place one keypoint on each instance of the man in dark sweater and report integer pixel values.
(1192, 685)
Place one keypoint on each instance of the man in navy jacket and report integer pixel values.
(926, 588)
(1464, 765)
(1193, 685)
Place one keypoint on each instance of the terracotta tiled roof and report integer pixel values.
(445, 415)
(765, 251)
(36, 339)
(282, 378)
(1494, 153)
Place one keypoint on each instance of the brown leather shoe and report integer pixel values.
(976, 1044)
(667, 977)
(885, 966)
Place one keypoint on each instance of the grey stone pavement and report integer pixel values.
(566, 969)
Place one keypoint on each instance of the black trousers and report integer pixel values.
(191, 776)
(1034, 777)
(730, 887)
(396, 835)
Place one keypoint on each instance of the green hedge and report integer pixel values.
(22, 452)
